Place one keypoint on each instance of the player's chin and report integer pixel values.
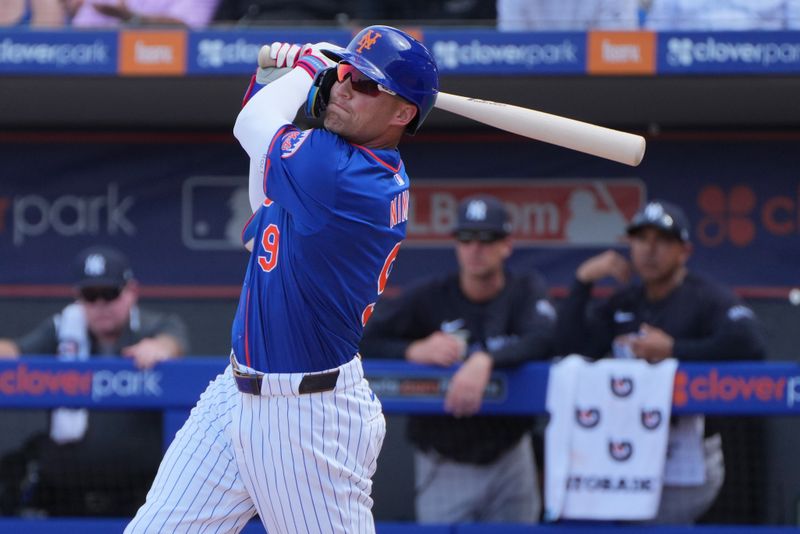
(335, 124)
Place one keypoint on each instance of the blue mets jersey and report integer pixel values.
(325, 240)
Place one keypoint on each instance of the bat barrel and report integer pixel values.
(584, 137)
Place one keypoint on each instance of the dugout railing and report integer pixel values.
(729, 389)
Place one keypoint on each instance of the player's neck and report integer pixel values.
(482, 288)
(388, 140)
(661, 288)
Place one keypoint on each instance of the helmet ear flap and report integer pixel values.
(320, 92)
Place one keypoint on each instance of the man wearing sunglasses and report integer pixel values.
(291, 430)
(471, 467)
(104, 321)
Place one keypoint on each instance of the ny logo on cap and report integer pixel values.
(367, 40)
(476, 210)
(655, 211)
(95, 265)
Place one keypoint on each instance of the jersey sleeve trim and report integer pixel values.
(277, 136)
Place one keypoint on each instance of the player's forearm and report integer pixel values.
(571, 328)
(169, 346)
(720, 347)
(529, 347)
(270, 109)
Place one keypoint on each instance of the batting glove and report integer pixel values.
(314, 60)
(274, 61)
(286, 54)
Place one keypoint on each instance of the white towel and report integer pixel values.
(605, 445)
(69, 424)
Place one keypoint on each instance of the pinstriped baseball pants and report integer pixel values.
(302, 462)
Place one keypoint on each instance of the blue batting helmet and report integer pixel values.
(397, 61)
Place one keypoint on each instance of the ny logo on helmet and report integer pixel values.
(367, 40)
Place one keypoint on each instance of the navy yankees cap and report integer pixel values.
(483, 213)
(663, 215)
(102, 267)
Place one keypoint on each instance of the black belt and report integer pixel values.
(315, 383)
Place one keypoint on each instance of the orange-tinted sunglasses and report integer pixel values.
(359, 81)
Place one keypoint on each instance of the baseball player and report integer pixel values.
(291, 430)
(668, 312)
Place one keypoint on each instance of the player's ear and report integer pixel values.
(688, 248)
(132, 287)
(404, 113)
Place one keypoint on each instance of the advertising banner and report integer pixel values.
(727, 388)
(483, 51)
(226, 52)
(177, 204)
(57, 52)
(773, 52)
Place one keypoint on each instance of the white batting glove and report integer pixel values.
(285, 54)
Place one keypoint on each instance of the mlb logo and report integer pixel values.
(214, 211)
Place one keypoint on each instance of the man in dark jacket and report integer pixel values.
(471, 467)
(669, 312)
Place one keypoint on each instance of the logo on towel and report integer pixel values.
(621, 387)
(587, 418)
(620, 450)
(651, 419)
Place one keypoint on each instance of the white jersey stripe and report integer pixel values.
(322, 455)
(267, 519)
(289, 417)
(279, 521)
(305, 457)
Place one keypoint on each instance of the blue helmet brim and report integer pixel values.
(358, 62)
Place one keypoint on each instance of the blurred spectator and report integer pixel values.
(723, 15)
(265, 11)
(471, 467)
(34, 13)
(343, 12)
(93, 463)
(111, 13)
(427, 10)
(668, 312)
(567, 15)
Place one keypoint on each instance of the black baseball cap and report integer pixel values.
(483, 213)
(665, 216)
(102, 267)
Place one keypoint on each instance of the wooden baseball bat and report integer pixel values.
(577, 135)
(581, 136)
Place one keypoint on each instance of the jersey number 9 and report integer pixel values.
(270, 241)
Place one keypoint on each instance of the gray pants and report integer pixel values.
(685, 504)
(506, 490)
